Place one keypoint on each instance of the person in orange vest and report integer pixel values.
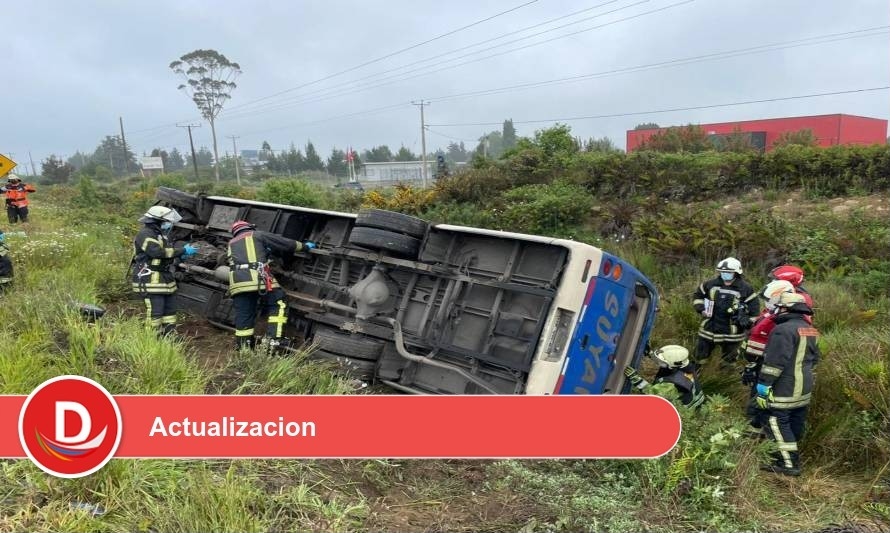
(16, 198)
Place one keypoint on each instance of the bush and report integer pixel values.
(293, 192)
(557, 209)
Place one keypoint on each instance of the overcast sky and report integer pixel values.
(73, 68)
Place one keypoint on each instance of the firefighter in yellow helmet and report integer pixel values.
(251, 281)
(153, 265)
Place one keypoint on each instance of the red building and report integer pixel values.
(828, 130)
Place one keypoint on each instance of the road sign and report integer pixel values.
(152, 163)
(6, 165)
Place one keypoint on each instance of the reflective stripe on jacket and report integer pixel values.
(17, 195)
(721, 326)
(249, 253)
(788, 361)
(154, 258)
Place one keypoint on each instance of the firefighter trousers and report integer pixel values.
(16, 213)
(729, 350)
(786, 427)
(246, 314)
(160, 312)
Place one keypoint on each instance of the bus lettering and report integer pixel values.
(603, 324)
(589, 372)
(612, 304)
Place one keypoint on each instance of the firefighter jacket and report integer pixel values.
(788, 361)
(154, 261)
(248, 257)
(734, 306)
(684, 381)
(761, 329)
(17, 195)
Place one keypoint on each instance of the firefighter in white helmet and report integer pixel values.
(153, 265)
(676, 373)
(727, 305)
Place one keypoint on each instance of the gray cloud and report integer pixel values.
(75, 67)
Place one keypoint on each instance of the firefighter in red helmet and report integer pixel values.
(251, 281)
(794, 275)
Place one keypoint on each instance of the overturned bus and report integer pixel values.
(433, 309)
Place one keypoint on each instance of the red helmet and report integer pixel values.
(241, 225)
(789, 273)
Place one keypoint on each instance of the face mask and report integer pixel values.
(166, 226)
(727, 276)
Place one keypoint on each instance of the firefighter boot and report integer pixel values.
(245, 343)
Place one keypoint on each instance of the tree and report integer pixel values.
(78, 160)
(600, 145)
(491, 145)
(55, 171)
(110, 153)
(313, 160)
(378, 154)
(265, 152)
(293, 160)
(175, 161)
(209, 82)
(800, 138)
(647, 126)
(204, 157)
(689, 138)
(457, 153)
(404, 154)
(556, 141)
(508, 134)
(337, 163)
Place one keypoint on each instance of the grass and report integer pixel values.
(710, 481)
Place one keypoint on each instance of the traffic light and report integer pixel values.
(441, 166)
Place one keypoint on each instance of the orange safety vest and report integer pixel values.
(17, 195)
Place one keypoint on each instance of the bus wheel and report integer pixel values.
(359, 347)
(354, 368)
(378, 239)
(392, 221)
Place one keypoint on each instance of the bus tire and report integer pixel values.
(354, 368)
(378, 239)
(177, 199)
(392, 221)
(358, 347)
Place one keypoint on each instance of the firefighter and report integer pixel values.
(5, 264)
(793, 275)
(16, 198)
(675, 373)
(755, 344)
(786, 380)
(251, 281)
(153, 265)
(727, 305)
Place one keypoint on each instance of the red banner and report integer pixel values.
(369, 427)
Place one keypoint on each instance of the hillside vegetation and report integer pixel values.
(671, 215)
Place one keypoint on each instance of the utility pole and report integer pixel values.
(192, 143)
(33, 171)
(423, 138)
(124, 140)
(237, 165)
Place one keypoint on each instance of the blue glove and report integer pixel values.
(2, 236)
(189, 250)
(309, 245)
(764, 395)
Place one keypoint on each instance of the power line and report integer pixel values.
(325, 95)
(669, 110)
(440, 134)
(772, 47)
(391, 54)
(809, 41)
(427, 59)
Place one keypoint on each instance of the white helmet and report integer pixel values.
(166, 214)
(774, 289)
(788, 299)
(730, 264)
(672, 355)
(12, 177)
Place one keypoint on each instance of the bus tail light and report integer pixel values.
(616, 272)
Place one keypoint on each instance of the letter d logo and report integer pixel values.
(70, 426)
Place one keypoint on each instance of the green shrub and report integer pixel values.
(295, 192)
(556, 209)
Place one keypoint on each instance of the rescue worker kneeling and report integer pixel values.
(153, 267)
(251, 281)
(786, 380)
(676, 373)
